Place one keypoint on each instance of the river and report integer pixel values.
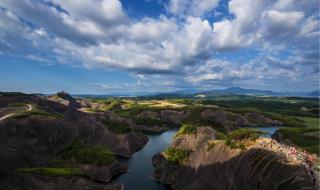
(269, 130)
(141, 168)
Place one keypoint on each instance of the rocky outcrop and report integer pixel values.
(104, 173)
(154, 129)
(220, 167)
(175, 117)
(65, 99)
(279, 137)
(33, 140)
(229, 119)
(219, 116)
(261, 120)
(241, 121)
(123, 144)
(167, 116)
(150, 129)
(116, 118)
(149, 114)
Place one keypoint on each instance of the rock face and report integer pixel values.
(123, 144)
(32, 141)
(278, 137)
(65, 99)
(149, 114)
(168, 116)
(155, 129)
(249, 119)
(241, 121)
(260, 119)
(219, 116)
(175, 117)
(220, 167)
(104, 173)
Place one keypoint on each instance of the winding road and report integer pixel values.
(11, 114)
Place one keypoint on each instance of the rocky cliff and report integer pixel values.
(213, 165)
(231, 120)
(65, 99)
(32, 139)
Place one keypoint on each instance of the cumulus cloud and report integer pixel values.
(178, 52)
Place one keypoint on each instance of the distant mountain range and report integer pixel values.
(254, 92)
(210, 93)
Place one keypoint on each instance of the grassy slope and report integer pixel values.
(53, 172)
(80, 152)
(297, 136)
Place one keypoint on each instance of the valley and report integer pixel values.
(66, 142)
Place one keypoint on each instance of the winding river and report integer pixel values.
(141, 168)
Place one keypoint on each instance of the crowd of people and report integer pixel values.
(309, 161)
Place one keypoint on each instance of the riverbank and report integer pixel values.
(141, 168)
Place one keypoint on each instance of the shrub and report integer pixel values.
(220, 136)
(245, 133)
(80, 152)
(147, 121)
(18, 104)
(176, 155)
(210, 145)
(53, 172)
(117, 127)
(233, 140)
(187, 129)
(242, 147)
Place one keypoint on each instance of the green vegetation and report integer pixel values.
(80, 152)
(37, 112)
(53, 172)
(300, 137)
(148, 121)
(187, 129)
(233, 140)
(18, 104)
(284, 109)
(117, 127)
(210, 145)
(105, 104)
(220, 136)
(133, 110)
(310, 121)
(244, 133)
(92, 110)
(176, 155)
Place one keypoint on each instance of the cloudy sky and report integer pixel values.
(113, 46)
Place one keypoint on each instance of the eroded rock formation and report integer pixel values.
(33, 140)
(220, 167)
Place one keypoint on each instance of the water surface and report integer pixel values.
(141, 168)
(269, 130)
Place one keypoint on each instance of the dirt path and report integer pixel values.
(11, 114)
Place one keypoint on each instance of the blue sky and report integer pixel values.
(121, 46)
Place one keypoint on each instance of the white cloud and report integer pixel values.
(101, 12)
(239, 31)
(107, 38)
(192, 7)
(152, 30)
